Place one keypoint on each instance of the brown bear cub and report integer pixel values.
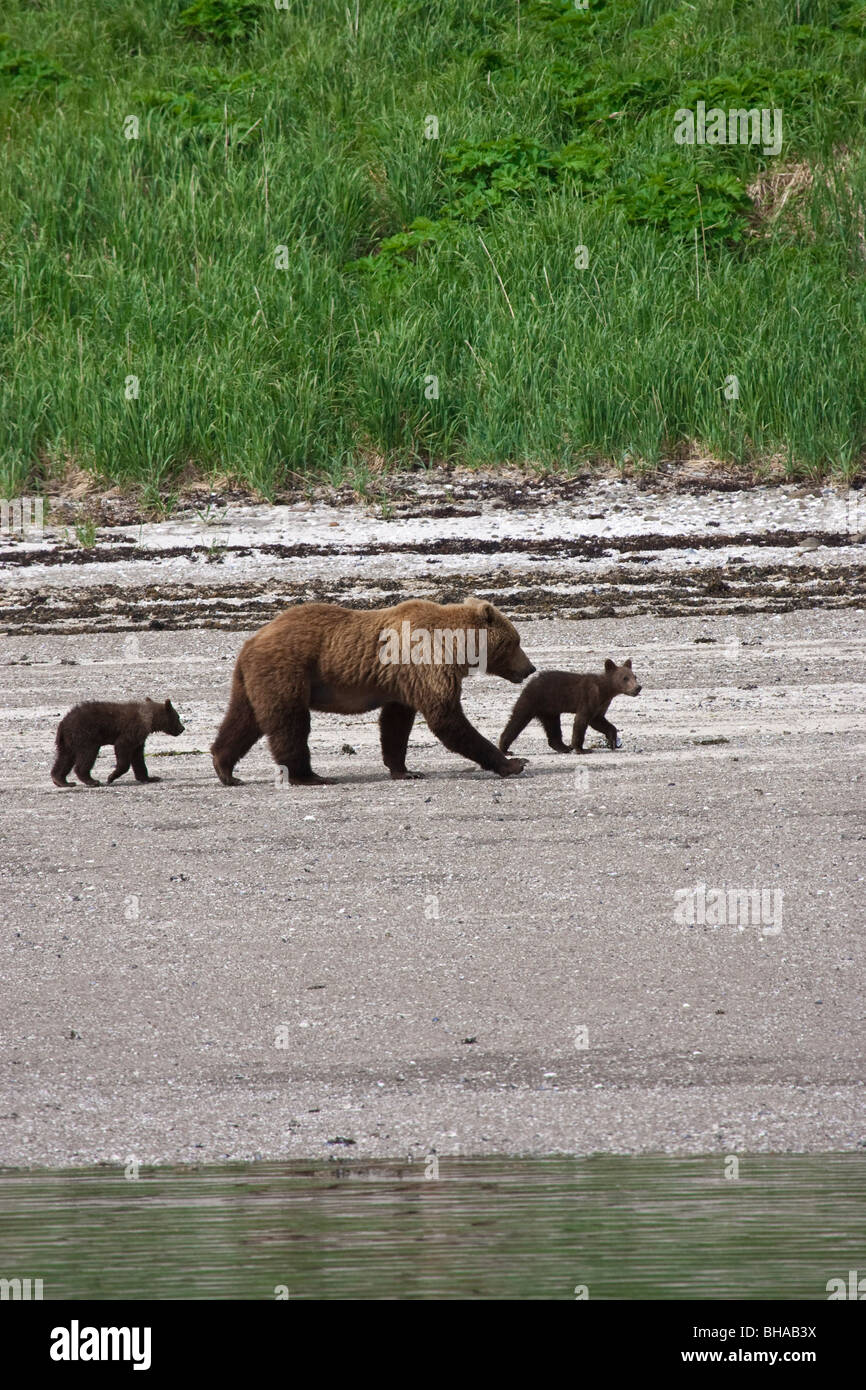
(82, 732)
(587, 697)
(404, 660)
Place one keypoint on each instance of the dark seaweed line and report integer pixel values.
(584, 547)
(175, 608)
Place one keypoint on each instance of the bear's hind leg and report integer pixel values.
(84, 760)
(553, 730)
(520, 717)
(122, 757)
(288, 736)
(62, 766)
(395, 726)
(236, 736)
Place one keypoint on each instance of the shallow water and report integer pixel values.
(643, 1227)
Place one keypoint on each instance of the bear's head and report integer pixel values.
(623, 677)
(166, 719)
(505, 656)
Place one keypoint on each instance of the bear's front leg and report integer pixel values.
(578, 734)
(395, 726)
(451, 727)
(139, 767)
(604, 726)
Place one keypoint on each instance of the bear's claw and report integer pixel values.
(513, 766)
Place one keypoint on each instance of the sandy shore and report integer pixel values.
(191, 972)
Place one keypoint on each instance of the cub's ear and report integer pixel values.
(627, 663)
(148, 701)
(609, 666)
(168, 702)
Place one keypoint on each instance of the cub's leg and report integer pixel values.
(553, 729)
(288, 733)
(395, 726)
(578, 733)
(84, 760)
(604, 726)
(62, 766)
(139, 768)
(122, 758)
(518, 720)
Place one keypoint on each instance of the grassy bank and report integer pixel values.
(429, 302)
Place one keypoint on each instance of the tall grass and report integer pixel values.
(473, 337)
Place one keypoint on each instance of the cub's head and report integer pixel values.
(624, 679)
(166, 719)
(505, 656)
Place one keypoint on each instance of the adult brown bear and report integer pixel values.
(404, 660)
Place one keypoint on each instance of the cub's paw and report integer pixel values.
(513, 766)
(404, 775)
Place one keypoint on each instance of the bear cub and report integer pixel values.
(82, 732)
(587, 697)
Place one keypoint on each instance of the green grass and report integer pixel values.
(410, 258)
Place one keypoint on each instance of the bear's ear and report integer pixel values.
(485, 610)
(609, 666)
(168, 702)
(148, 701)
(627, 663)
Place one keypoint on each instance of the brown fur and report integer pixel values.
(319, 656)
(553, 693)
(82, 732)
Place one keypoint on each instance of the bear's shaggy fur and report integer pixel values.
(82, 732)
(587, 697)
(320, 656)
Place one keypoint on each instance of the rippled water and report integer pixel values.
(486, 1228)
